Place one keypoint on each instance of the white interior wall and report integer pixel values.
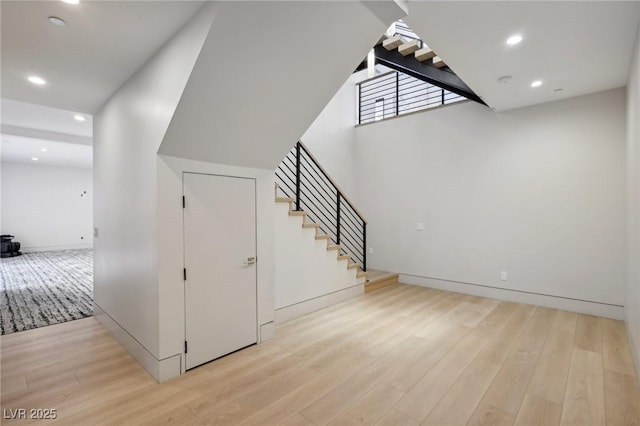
(128, 131)
(47, 207)
(632, 297)
(535, 192)
(331, 137)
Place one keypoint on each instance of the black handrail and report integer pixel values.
(303, 178)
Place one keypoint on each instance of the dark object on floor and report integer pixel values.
(9, 248)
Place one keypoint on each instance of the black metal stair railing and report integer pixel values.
(302, 178)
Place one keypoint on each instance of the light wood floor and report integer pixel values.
(401, 355)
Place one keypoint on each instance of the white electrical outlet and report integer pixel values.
(420, 226)
(370, 250)
(503, 276)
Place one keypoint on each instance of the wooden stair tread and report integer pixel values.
(333, 247)
(382, 39)
(380, 279)
(310, 225)
(408, 48)
(323, 237)
(284, 200)
(344, 257)
(392, 42)
(297, 213)
(353, 265)
(424, 54)
(438, 62)
(361, 274)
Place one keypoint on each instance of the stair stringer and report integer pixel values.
(308, 275)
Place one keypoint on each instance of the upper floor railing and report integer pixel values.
(394, 93)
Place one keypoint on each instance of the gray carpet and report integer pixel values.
(45, 288)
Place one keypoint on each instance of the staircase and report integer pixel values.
(405, 52)
(312, 194)
(320, 235)
(320, 239)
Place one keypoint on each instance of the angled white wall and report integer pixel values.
(332, 136)
(128, 131)
(266, 71)
(632, 296)
(47, 207)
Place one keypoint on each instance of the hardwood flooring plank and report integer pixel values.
(615, 347)
(421, 398)
(500, 344)
(460, 401)
(509, 387)
(538, 411)
(584, 397)
(550, 375)
(588, 333)
(396, 418)
(622, 399)
(370, 408)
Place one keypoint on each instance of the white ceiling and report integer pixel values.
(17, 149)
(102, 45)
(21, 115)
(578, 46)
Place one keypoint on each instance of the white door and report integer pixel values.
(220, 253)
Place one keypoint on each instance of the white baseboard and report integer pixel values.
(267, 331)
(56, 248)
(548, 301)
(160, 370)
(301, 308)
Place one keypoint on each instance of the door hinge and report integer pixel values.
(184, 202)
(184, 273)
(185, 347)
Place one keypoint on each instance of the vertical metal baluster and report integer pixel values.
(364, 246)
(397, 93)
(359, 86)
(298, 176)
(338, 219)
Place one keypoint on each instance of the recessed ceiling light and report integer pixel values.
(71, 1)
(44, 149)
(36, 80)
(79, 117)
(514, 39)
(34, 158)
(536, 83)
(57, 21)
